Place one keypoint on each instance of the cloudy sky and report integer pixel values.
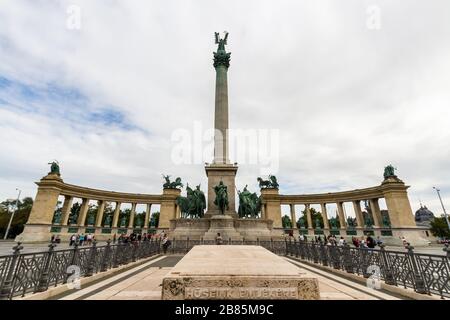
(344, 87)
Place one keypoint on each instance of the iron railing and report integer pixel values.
(425, 273)
(22, 273)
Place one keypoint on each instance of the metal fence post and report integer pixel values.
(5, 291)
(388, 276)
(418, 280)
(43, 279)
(72, 260)
(348, 263)
(104, 265)
(91, 260)
(324, 255)
(134, 248)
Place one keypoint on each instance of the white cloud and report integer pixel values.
(347, 100)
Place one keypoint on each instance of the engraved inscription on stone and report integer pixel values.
(241, 293)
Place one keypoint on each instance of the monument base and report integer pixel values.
(224, 225)
(229, 228)
(234, 273)
(34, 233)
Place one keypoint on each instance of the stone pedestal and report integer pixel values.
(237, 272)
(216, 173)
(168, 210)
(37, 228)
(224, 225)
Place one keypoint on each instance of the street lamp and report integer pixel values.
(12, 215)
(443, 208)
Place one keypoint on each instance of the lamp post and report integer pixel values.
(443, 208)
(12, 215)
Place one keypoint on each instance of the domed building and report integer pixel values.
(423, 216)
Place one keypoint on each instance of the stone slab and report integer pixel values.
(237, 272)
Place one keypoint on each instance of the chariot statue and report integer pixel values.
(172, 184)
(271, 183)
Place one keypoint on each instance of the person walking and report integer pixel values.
(72, 239)
(81, 239)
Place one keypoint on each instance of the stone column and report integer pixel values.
(309, 220)
(342, 222)
(263, 211)
(83, 212)
(37, 228)
(376, 213)
(100, 212)
(132, 214)
(397, 202)
(147, 215)
(294, 221)
(326, 224)
(358, 213)
(272, 201)
(178, 211)
(116, 214)
(68, 200)
(168, 207)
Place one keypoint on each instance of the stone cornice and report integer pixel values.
(96, 194)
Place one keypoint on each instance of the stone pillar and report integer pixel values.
(342, 221)
(132, 214)
(376, 213)
(309, 220)
(83, 212)
(178, 211)
(37, 228)
(100, 212)
(397, 202)
(147, 215)
(168, 207)
(116, 214)
(263, 211)
(294, 221)
(272, 201)
(400, 213)
(326, 224)
(358, 213)
(68, 200)
(215, 174)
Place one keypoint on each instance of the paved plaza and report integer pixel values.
(144, 283)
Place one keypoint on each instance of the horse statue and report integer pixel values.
(194, 205)
(172, 185)
(221, 197)
(272, 183)
(249, 204)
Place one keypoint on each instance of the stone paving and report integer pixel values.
(144, 283)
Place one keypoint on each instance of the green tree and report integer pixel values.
(20, 217)
(286, 222)
(439, 228)
(154, 220)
